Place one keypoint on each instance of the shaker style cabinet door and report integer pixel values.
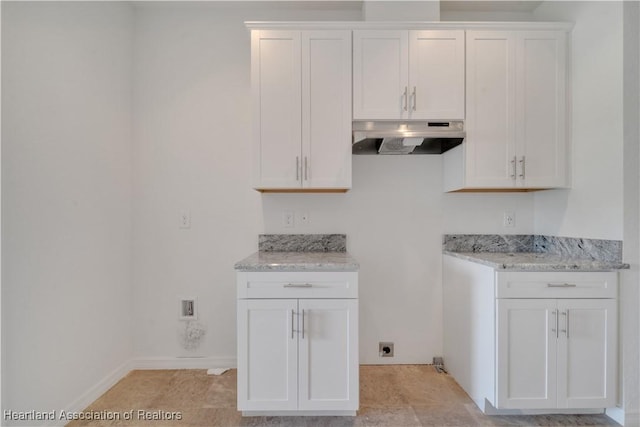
(328, 354)
(587, 356)
(267, 355)
(491, 100)
(556, 353)
(541, 109)
(515, 113)
(276, 93)
(326, 109)
(526, 336)
(436, 74)
(301, 84)
(380, 74)
(408, 75)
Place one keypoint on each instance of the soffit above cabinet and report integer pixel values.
(407, 25)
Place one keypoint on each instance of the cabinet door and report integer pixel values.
(490, 141)
(276, 93)
(328, 354)
(326, 109)
(436, 74)
(267, 355)
(380, 74)
(526, 335)
(541, 108)
(587, 358)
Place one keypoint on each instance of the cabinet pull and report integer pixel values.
(302, 324)
(561, 285)
(306, 168)
(522, 162)
(297, 168)
(414, 98)
(555, 314)
(297, 285)
(566, 323)
(292, 330)
(406, 101)
(513, 168)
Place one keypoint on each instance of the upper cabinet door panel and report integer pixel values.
(276, 85)
(436, 74)
(326, 109)
(541, 109)
(380, 75)
(490, 109)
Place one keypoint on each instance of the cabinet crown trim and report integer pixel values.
(407, 25)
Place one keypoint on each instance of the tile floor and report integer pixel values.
(390, 396)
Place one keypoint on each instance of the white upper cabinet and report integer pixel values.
(400, 74)
(516, 113)
(436, 74)
(301, 88)
(541, 108)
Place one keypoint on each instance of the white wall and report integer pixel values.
(66, 200)
(604, 199)
(630, 291)
(593, 207)
(192, 151)
(394, 218)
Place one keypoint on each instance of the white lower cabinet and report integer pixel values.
(297, 355)
(534, 342)
(556, 353)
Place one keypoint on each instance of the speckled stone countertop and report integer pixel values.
(300, 252)
(521, 252)
(535, 261)
(298, 261)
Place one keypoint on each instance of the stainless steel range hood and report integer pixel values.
(404, 137)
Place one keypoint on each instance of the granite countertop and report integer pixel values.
(298, 261)
(523, 252)
(535, 261)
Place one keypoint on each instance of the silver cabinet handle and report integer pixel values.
(414, 98)
(302, 324)
(406, 101)
(561, 285)
(522, 162)
(292, 330)
(566, 322)
(297, 168)
(513, 167)
(297, 285)
(555, 314)
(306, 168)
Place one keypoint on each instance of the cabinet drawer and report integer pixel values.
(297, 284)
(556, 285)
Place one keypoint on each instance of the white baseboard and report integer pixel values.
(182, 363)
(93, 393)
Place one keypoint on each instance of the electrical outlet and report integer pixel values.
(185, 219)
(509, 219)
(288, 219)
(385, 349)
(304, 218)
(188, 308)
